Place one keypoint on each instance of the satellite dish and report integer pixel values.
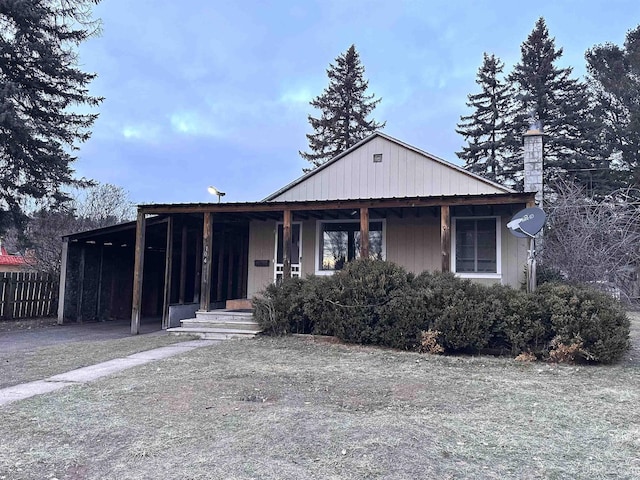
(527, 223)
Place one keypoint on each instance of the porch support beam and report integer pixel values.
(138, 268)
(83, 252)
(364, 232)
(183, 264)
(219, 284)
(63, 279)
(198, 270)
(286, 245)
(207, 249)
(445, 237)
(168, 263)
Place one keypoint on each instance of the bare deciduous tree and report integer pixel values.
(98, 206)
(594, 241)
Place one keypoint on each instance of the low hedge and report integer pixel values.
(380, 303)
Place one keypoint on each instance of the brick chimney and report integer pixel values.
(533, 162)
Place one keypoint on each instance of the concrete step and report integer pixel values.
(224, 315)
(214, 333)
(235, 323)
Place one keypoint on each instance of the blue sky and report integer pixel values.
(202, 92)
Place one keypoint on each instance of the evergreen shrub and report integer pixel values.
(380, 303)
(579, 314)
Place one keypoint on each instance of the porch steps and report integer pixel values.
(219, 325)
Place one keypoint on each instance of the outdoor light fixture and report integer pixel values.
(215, 191)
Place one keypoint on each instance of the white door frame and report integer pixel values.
(296, 268)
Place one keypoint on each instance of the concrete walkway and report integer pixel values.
(95, 372)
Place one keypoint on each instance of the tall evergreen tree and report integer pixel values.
(614, 77)
(560, 105)
(345, 107)
(40, 88)
(486, 129)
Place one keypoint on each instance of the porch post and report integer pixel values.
(138, 268)
(168, 263)
(197, 278)
(445, 238)
(286, 245)
(63, 279)
(207, 247)
(83, 250)
(183, 264)
(220, 271)
(364, 232)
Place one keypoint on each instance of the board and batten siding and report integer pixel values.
(414, 243)
(514, 256)
(261, 247)
(403, 172)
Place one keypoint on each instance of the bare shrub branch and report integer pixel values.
(594, 241)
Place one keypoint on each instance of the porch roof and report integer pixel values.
(263, 209)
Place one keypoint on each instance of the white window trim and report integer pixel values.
(498, 273)
(316, 252)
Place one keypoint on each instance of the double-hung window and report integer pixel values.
(477, 246)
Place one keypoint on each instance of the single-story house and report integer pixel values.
(381, 198)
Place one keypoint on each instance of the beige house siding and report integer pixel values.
(414, 243)
(403, 172)
(308, 248)
(514, 256)
(261, 247)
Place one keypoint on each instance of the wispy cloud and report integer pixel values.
(146, 132)
(194, 123)
(298, 96)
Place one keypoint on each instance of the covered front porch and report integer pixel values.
(220, 253)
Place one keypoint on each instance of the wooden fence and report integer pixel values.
(27, 294)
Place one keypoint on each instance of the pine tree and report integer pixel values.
(487, 129)
(345, 107)
(560, 105)
(41, 88)
(614, 78)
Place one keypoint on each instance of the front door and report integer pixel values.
(296, 251)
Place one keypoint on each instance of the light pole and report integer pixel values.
(214, 191)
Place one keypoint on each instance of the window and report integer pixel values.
(476, 245)
(339, 242)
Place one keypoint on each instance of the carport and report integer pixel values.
(99, 270)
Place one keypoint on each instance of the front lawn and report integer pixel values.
(292, 408)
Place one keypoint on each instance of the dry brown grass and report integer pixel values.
(290, 408)
(38, 363)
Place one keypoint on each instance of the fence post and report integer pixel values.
(11, 296)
